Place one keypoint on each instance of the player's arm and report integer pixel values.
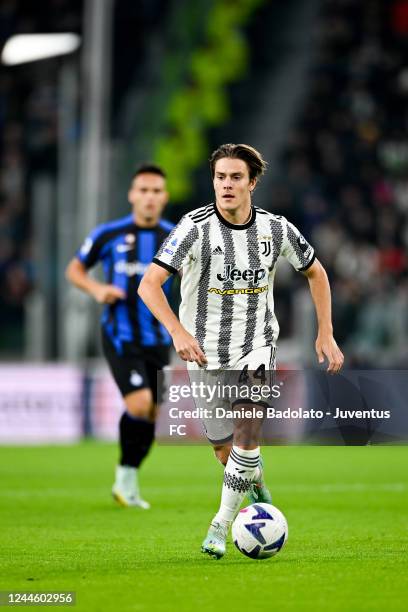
(151, 292)
(321, 295)
(77, 274)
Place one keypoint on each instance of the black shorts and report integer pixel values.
(137, 367)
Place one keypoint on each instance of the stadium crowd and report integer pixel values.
(29, 132)
(345, 174)
(28, 145)
(344, 170)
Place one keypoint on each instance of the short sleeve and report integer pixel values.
(178, 247)
(90, 251)
(296, 248)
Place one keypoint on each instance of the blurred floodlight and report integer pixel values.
(31, 47)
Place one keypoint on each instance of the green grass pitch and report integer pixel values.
(347, 509)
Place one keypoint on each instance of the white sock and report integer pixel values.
(126, 478)
(242, 465)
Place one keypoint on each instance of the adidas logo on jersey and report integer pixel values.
(218, 251)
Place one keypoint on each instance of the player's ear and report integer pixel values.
(252, 184)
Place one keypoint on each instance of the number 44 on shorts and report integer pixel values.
(258, 376)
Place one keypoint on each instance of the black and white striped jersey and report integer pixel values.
(227, 278)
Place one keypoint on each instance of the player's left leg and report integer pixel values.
(259, 492)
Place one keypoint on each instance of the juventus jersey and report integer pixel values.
(227, 278)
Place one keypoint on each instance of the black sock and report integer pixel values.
(136, 437)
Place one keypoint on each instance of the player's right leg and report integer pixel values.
(240, 464)
(238, 450)
(214, 544)
(137, 425)
(136, 433)
(219, 433)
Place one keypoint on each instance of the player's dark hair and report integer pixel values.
(254, 160)
(149, 169)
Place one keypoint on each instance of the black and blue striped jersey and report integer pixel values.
(125, 251)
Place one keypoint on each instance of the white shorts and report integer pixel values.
(246, 383)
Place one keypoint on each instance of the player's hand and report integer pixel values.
(326, 346)
(108, 294)
(187, 347)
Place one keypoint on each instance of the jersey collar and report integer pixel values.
(236, 226)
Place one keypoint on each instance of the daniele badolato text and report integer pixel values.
(257, 412)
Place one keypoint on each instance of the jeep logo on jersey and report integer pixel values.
(250, 274)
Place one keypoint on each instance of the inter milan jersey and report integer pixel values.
(227, 278)
(125, 251)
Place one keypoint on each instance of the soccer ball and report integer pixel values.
(259, 531)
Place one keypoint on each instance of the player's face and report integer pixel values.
(232, 185)
(148, 196)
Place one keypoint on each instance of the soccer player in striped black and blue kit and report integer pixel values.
(134, 343)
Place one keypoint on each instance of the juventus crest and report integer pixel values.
(266, 246)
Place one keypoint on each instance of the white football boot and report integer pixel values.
(215, 541)
(126, 488)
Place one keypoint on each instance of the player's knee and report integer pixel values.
(222, 452)
(247, 433)
(140, 403)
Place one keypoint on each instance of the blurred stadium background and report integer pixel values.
(319, 86)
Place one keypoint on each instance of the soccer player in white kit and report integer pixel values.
(227, 254)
